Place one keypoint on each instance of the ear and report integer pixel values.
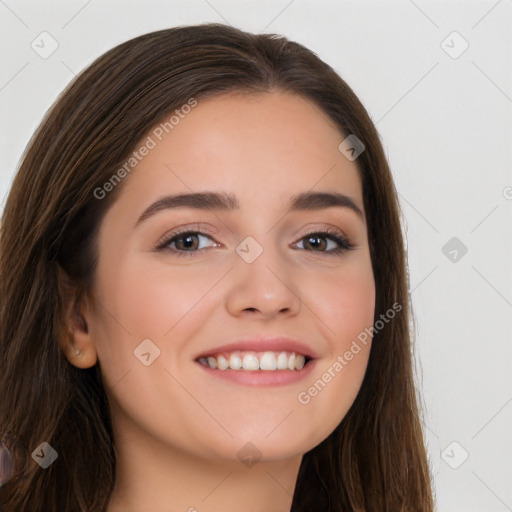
(72, 324)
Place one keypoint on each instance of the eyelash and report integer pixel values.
(344, 244)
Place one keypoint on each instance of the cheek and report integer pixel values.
(149, 300)
(343, 300)
(141, 301)
(345, 305)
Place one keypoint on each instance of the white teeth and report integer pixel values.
(222, 363)
(267, 361)
(282, 361)
(235, 362)
(251, 362)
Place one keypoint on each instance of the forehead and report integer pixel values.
(265, 146)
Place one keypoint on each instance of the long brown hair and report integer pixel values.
(375, 460)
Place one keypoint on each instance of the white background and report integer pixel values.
(446, 125)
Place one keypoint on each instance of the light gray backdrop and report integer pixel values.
(436, 78)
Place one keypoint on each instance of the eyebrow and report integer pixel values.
(228, 202)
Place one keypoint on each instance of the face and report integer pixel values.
(183, 286)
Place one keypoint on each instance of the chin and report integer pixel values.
(261, 447)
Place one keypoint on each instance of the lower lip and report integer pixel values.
(264, 378)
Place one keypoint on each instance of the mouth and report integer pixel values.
(264, 362)
(251, 361)
(267, 361)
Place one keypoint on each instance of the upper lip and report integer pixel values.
(269, 343)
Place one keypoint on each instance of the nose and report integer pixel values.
(265, 288)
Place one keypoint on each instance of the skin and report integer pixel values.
(177, 429)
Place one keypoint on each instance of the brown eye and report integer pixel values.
(184, 243)
(316, 242)
(326, 242)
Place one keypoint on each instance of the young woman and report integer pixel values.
(203, 295)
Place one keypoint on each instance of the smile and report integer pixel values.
(254, 361)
